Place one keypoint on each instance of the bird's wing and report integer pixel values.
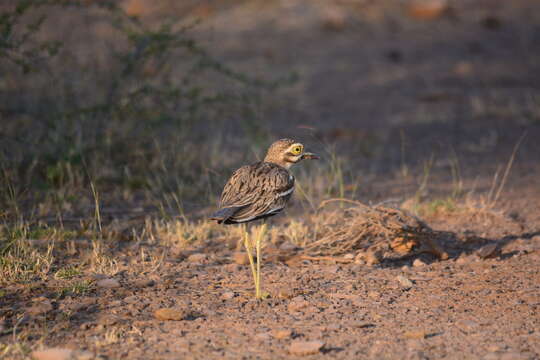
(257, 189)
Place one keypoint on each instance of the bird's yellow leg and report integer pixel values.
(247, 245)
(260, 237)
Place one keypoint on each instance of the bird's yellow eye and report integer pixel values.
(296, 150)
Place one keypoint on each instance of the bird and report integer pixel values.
(262, 189)
(258, 191)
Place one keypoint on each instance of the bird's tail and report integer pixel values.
(224, 214)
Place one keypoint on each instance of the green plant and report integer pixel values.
(18, 43)
(82, 287)
(438, 205)
(68, 272)
(131, 125)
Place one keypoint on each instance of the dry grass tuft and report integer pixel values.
(23, 262)
(297, 233)
(100, 261)
(110, 337)
(182, 233)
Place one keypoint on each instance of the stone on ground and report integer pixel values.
(305, 347)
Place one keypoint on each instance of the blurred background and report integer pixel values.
(146, 107)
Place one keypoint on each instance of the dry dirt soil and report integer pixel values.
(375, 80)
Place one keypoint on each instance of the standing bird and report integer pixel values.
(259, 191)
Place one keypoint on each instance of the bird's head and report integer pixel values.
(287, 152)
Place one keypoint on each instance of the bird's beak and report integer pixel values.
(309, 156)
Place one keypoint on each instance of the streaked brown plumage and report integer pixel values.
(262, 189)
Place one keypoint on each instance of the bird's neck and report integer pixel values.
(287, 165)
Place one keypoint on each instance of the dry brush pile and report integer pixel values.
(373, 233)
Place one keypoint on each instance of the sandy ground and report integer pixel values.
(390, 90)
(453, 309)
(416, 308)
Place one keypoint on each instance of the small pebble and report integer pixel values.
(420, 334)
(287, 246)
(488, 251)
(285, 293)
(427, 9)
(169, 314)
(334, 18)
(282, 333)
(405, 283)
(227, 295)
(197, 258)
(297, 304)
(363, 325)
(61, 354)
(513, 355)
(143, 283)
(42, 306)
(466, 326)
(108, 283)
(52, 354)
(418, 263)
(305, 347)
(262, 336)
(373, 258)
(241, 258)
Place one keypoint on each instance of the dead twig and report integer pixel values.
(508, 167)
